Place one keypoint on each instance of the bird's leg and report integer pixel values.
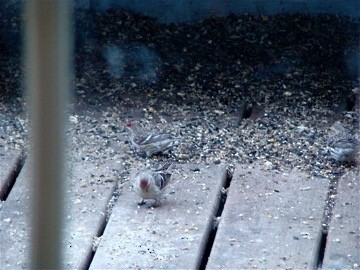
(154, 205)
(157, 202)
(142, 202)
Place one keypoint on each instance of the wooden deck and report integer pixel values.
(267, 220)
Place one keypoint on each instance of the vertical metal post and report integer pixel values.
(47, 77)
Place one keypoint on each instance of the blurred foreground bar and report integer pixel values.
(47, 75)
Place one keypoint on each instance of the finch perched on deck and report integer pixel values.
(150, 185)
(341, 145)
(151, 143)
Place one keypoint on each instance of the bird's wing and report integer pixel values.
(335, 137)
(154, 138)
(162, 179)
(344, 143)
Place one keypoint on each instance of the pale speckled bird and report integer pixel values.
(151, 143)
(150, 185)
(341, 145)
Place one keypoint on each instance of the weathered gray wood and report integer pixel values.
(171, 236)
(88, 189)
(8, 161)
(343, 241)
(270, 221)
(15, 225)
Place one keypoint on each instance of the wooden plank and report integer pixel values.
(8, 162)
(88, 189)
(343, 241)
(171, 236)
(270, 220)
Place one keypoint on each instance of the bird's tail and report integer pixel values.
(166, 167)
(132, 135)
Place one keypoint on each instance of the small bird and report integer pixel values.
(150, 185)
(341, 145)
(151, 143)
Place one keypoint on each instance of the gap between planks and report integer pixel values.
(11, 166)
(343, 239)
